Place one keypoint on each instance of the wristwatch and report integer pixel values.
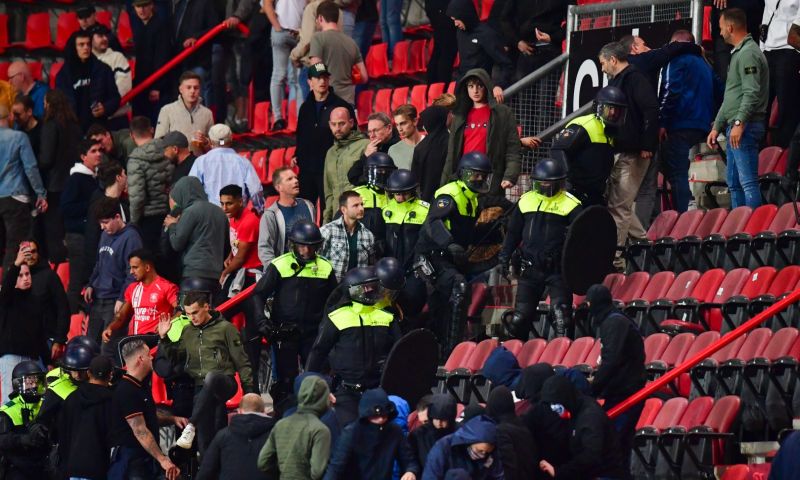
(737, 123)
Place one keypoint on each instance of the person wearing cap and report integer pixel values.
(152, 47)
(348, 243)
(118, 64)
(312, 127)
(176, 150)
(87, 18)
(186, 114)
(222, 166)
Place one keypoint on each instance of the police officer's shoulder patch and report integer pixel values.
(424, 203)
(444, 201)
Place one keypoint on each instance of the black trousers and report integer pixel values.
(15, 226)
(150, 228)
(625, 425)
(346, 406)
(49, 230)
(783, 78)
(448, 311)
(209, 414)
(445, 48)
(530, 290)
(251, 338)
(312, 187)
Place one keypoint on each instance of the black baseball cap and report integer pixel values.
(317, 70)
(85, 12)
(101, 367)
(172, 139)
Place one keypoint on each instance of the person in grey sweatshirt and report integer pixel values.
(198, 231)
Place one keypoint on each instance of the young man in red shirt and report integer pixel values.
(146, 300)
(242, 267)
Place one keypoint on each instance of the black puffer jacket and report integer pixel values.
(640, 131)
(149, 175)
(233, 453)
(84, 425)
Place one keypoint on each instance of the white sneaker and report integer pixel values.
(187, 437)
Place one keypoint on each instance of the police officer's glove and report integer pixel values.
(40, 434)
(457, 254)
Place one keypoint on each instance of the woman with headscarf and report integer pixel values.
(429, 155)
(515, 445)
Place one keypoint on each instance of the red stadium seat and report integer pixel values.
(670, 413)
(780, 345)
(383, 101)
(688, 247)
(577, 352)
(531, 352)
(735, 309)
(4, 70)
(674, 353)
(399, 97)
(259, 161)
(632, 287)
(514, 346)
(654, 346)
(657, 286)
(451, 88)
(662, 225)
(3, 32)
(735, 221)
(261, 117)
(696, 412)
(738, 249)
(66, 25)
(291, 115)
(63, 273)
(459, 356)
(614, 282)
(105, 17)
(768, 158)
(37, 32)
(737, 472)
(555, 351)
(720, 420)
(648, 314)
(418, 97)
(593, 357)
(36, 69)
(647, 433)
(276, 161)
(661, 251)
(760, 219)
(754, 345)
(417, 57)
(400, 61)
(434, 91)
(480, 354)
(364, 106)
(124, 30)
(55, 67)
(651, 408)
(377, 60)
(709, 287)
(700, 343)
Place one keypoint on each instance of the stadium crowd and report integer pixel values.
(366, 236)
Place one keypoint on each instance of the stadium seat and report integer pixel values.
(124, 30)
(657, 287)
(638, 251)
(775, 366)
(705, 444)
(670, 440)
(555, 350)
(66, 25)
(531, 352)
(36, 69)
(712, 250)
(276, 160)
(259, 161)
(399, 97)
(480, 354)
(514, 346)
(62, 270)
(762, 244)
(701, 342)
(451, 88)
(735, 309)
(701, 311)
(654, 346)
(786, 280)
(3, 32)
(651, 408)
(459, 356)
(452, 377)
(647, 314)
(4, 70)
(737, 249)
(377, 60)
(729, 372)
(400, 60)
(673, 355)
(687, 250)
(55, 67)
(37, 32)
(767, 159)
(577, 352)
(417, 57)
(434, 91)
(645, 440)
(261, 117)
(632, 288)
(364, 106)
(383, 99)
(418, 93)
(663, 255)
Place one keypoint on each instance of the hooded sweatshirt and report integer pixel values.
(22, 329)
(111, 274)
(76, 196)
(501, 368)
(298, 447)
(149, 175)
(85, 423)
(593, 445)
(338, 161)
(422, 440)
(201, 233)
(518, 452)
(328, 418)
(621, 371)
(366, 450)
(453, 451)
(233, 452)
(430, 153)
(502, 141)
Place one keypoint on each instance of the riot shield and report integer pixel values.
(410, 369)
(589, 249)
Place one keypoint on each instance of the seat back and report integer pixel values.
(513, 346)
(784, 219)
(383, 99)
(683, 285)
(418, 93)
(761, 219)
(434, 91)
(459, 356)
(712, 222)
(417, 61)
(259, 162)
(670, 413)
(555, 350)
(780, 344)
(578, 351)
(277, 159)
(708, 284)
(737, 472)
(658, 286)
(613, 282)
(687, 223)
(654, 346)
(632, 287)
(3, 34)
(785, 280)
(364, 106)
(720, 419)
(735, 221)
(66, 25)
(701, 342)
(480, 354)
(758, 282)
(733, 283)
(124, 29)
(651, 408)
(531, 351)
(767, 158)
(755, 344)
(696, 412)
(593, 357)
(399, 97)
(400, 58)
(662, 225)
(730, 350)
(377, 60)
(677, 349)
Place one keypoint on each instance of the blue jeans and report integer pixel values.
(283, 72)
(675, 152)
(128, 463)
(742, 171)
(391, 29)
(348, 22)
(362, 34)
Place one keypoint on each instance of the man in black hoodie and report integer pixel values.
(621, 371)
(637, 139)
(442, 413)
(430, 154)
(593, 447)
(515, 445)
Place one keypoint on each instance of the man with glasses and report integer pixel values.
(382, 135)
(19, 76)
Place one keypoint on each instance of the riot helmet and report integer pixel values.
(76, 361)
(391, 275)
(549, 176)
(86, 341)
(611, 106)
(515, 324)
(305, 233)
(475, 170)
(364, 286)
(27, 380)
(402, 181)
(377, 169)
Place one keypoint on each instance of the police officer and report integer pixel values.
(540, 222)
(299, 282)
(24, 444)
(74, 367)
(447, 232)
(586, 144)
(356, 338)
(84, 340)
(377, 168)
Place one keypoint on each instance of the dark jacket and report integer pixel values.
(690, 94)
(529, 385)
(86, 83)
(451, 452)
(111, 274)
(549, 16)
(201, 234)
(652, 61)
(22, 329)
(192, 19)
(787, 463)
(91, 235)
(640, 131)
(518, 452)
(621, 372)
(75, 199)
(58, 152)
(502, 368)
(593, 446)
(422, 440)
(366, 450)
(430, 154)
(149, 175)
(25, 462)
(152, 49)
(479, 45)
(85, 422)
(502, 141)
(356, 174)
(48, 293)
(233, 453)
(313, 128)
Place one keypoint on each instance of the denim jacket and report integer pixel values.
(18, 167)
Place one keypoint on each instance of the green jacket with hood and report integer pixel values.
(215, 346)
(299, 446)
(149, 176)
(201, 233)
(502, 141)
(338, 161)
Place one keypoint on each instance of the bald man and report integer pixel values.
(19, 75)
(348, 145)
(233, 453)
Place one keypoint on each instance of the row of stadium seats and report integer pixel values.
(39, 36)
(385, 100)
(409, 57)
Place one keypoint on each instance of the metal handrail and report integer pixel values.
(559, 125)
(536, 75)
(236, 300)
(606, 7)
(209, 35)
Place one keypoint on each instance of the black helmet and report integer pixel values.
(390, 273)
(515, 324)
(611, 105)
(377, 168)
(548, 176)
(364, 286)
(86, 341)
(304, 232)
(401, 181)
(27, 380)
(475, 170)
(77, 358)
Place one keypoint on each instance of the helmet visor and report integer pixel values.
(29, 386)
(368, 293)
(612, 114)
(377, 175)
(305, 252)
(478, 181)
(548, 188)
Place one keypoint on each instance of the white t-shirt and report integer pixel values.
(290, 13)
(780, 22)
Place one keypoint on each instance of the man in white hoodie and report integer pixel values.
(119, 65)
